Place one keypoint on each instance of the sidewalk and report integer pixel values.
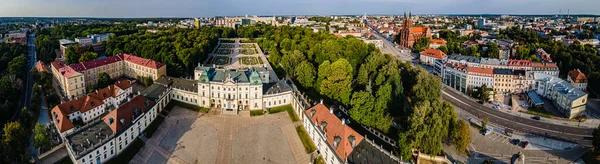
(590, 123)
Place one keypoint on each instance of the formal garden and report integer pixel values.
(227, 46)
(247, 60)
(248, 46)
(221, 60)
(248, 51)
(224, 51)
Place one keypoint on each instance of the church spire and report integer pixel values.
(410, 14)
(405, 13)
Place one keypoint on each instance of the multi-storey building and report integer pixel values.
(577, 79)
(455, 76)
(503, 80)
(89, 107)
(478, 77)
(546, 68)
(429, 56)
(84, 41)
(522, 81)
(568, 100)
(73, 79)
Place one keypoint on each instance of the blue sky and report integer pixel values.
(207, 8)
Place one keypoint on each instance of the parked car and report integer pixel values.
(486, 132)
(536, 117)
(525, 144)
(515, 141)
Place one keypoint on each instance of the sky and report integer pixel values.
(210, 8)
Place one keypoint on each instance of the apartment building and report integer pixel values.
(73, 79)
(503, 80)
(455, 76)
(87, 108)
(429, 56)
(478, 77)
(577, 79)
(565, 97)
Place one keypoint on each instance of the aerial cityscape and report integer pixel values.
(320, 82)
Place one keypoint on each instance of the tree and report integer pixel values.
(305, 73)
(596, 140)
(462, 138)
(337, 81)
(421, 44)
(14, 140)
(104, 80)
(365, 112)
(70, 56)
(290, 61)
(17, 66)
(443, 49)
(41, 138)
(88, 56)
(484, 123)
(148, 81)
(493, 51)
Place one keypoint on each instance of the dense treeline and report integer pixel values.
(12, 70)
(180, 49)
(576, 56)
(13, 67)
(46, 40)
(375, 88)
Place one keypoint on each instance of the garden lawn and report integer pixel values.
(309, 146)
(259, 112)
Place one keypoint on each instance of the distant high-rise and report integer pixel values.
(480, 22)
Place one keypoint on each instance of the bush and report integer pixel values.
(259, 112)
(190, 106)
(309, 146)
(279, 109)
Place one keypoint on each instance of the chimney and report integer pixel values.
(343, 121)
(330, 110)
(321, 101)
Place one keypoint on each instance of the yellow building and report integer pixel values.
(74, 78)
(503, 80)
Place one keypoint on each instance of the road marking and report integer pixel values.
(444, 92)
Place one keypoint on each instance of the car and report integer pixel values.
(525, 144)
(486, 132)
(515, 141)
(536, 117)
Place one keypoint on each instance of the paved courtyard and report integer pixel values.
(191, 137)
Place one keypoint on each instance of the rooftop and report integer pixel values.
(277, 87)
(84, 139)
(577, 76)
(340, 137)
(563, 87)
(179, 83)
(434, 53)
(503, 71)
(365, 152)
(154, 91)
(470, 59)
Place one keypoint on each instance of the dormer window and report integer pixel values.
(312, 112)
(323, 125)
(352, 140)
(111, 120)
(93, 104)
(71, 108)
(336, 141)
(104, 95)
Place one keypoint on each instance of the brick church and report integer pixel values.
(409, 35)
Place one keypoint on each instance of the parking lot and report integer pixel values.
(190, 137)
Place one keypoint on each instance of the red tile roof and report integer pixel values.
(434, 53)
(419, 29)
(334, 129)
(123, 116)
(143, 62)
(544, 65)
(484, 71)
(87, 102)
(519, 63)
(39, 65)
(577, 76)
(438, 41)
(96, 63)
(61, 121)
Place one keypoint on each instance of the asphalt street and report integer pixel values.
(526, 125)
(31, 59)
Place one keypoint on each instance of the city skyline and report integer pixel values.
(204, 8)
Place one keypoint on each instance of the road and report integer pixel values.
(31, 59)
(518, 123)
(506, 120)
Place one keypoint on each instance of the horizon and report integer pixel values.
(203, 8)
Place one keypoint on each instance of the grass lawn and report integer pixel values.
(65, 160)
(287, 108)
(153, 126)
(591, 157)
(539, 112)
(190, 106)
(128, 153)
(249, 60)
(259, 112)
(247, 45)
(309, 146)
(220, 60)
(319, 160)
